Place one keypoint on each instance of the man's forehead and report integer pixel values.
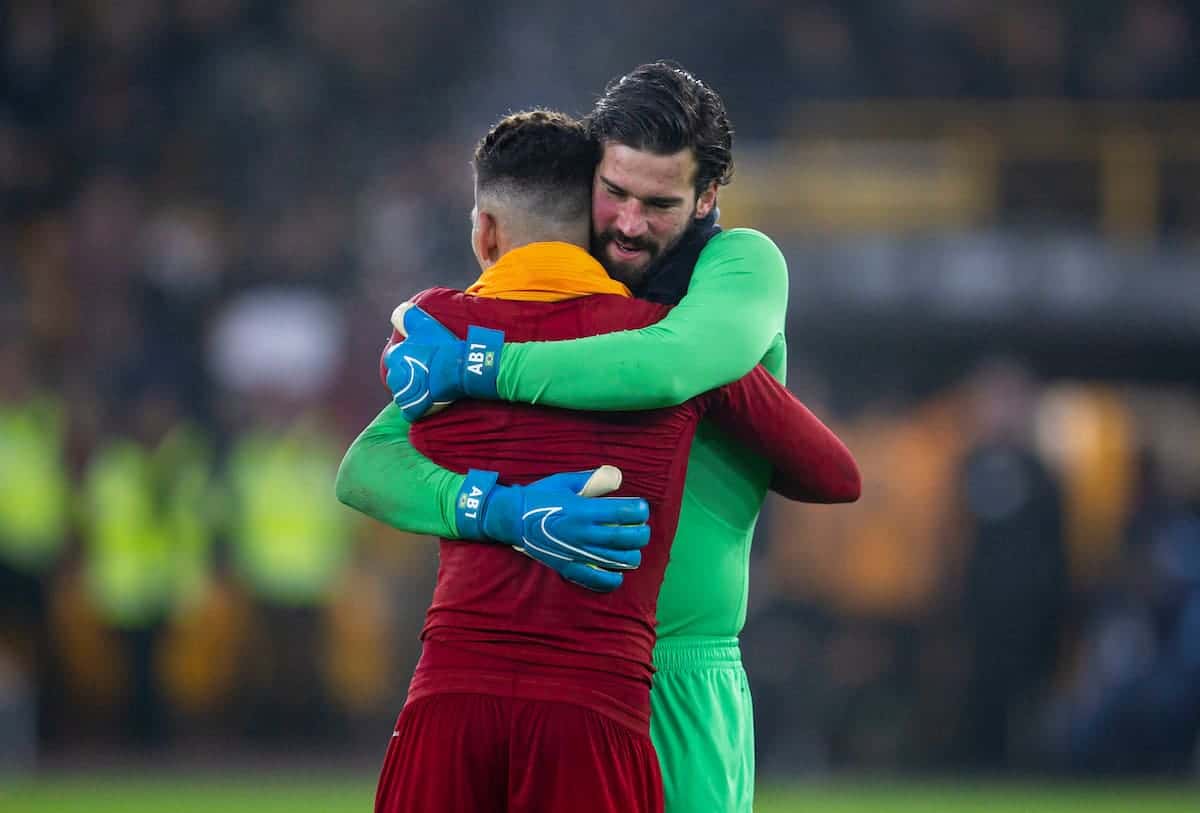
(642, 171)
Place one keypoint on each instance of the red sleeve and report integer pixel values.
(811, 462)
(392, 342)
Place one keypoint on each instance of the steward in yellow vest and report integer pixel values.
(290, 546)
(147, 544)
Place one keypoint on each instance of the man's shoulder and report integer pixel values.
(745, 258)
(606, 313)
(527, 320)
(627, 306)
(446, 303)
(741, 241)
(435, 294)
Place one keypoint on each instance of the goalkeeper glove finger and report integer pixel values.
(562, 521)
(432, 367)
(593, 578)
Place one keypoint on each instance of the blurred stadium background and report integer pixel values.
(991, 214)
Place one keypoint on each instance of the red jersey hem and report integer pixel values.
(453, 670)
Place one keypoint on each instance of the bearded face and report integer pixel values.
(642, 203)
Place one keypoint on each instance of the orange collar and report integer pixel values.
(546, 272)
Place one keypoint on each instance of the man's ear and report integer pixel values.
(485, 239)
(706, 201)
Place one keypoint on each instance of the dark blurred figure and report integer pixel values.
(1136, 708)
(784, 648)
(1015, 585)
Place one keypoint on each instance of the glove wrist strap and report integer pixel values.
(471, 501)
(481, 364)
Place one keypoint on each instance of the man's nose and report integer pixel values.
(631, 221)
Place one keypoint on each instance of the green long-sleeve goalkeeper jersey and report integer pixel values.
(731, 318)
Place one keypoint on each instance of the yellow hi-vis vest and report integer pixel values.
(289, 537)
(147, 534)
(33, 483)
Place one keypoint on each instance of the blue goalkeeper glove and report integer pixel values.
(560, 521)
(432, 367)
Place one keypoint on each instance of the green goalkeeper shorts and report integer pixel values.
(702, 724)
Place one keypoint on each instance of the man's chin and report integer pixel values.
(630, 275)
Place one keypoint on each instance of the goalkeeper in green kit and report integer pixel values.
(666, 148)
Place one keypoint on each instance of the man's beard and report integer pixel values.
(631, 275)
(628, 273)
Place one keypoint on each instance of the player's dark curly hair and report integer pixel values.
(546, 156)
(662, 108)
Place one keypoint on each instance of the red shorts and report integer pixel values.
(474, 753)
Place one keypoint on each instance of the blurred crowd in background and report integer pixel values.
(208, 209)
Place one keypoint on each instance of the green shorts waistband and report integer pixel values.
(681, 652)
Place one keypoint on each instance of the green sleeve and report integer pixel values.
(386, 478)
(732, 315)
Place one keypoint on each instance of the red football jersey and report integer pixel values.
(501, 622)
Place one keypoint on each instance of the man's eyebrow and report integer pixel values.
(613, 186)
(653, 201)
(656, 201)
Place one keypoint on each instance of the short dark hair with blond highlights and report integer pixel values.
(546, 157)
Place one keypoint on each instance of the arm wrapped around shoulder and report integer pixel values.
(811, 462)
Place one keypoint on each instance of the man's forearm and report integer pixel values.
(386, 478)
(732, 315)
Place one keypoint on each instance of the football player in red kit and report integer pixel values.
(531, 693)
